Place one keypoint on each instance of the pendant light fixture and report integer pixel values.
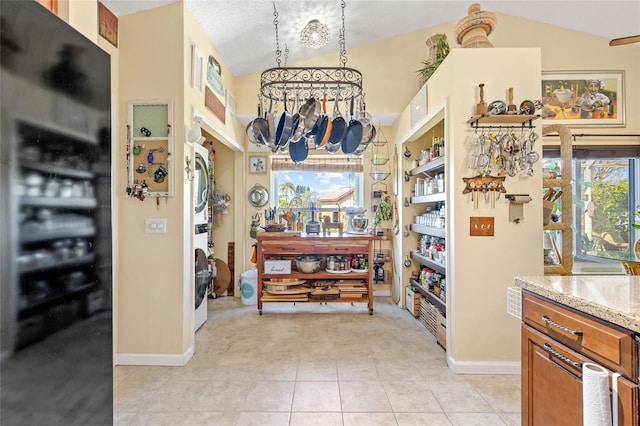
(314, 35)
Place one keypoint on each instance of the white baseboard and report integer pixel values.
(483, 367)
(155, 359)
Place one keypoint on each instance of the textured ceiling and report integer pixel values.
(243, 31)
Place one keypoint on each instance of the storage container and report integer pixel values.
(277, 266)
(249, 287)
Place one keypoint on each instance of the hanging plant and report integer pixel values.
(438, 50)
(383, 211)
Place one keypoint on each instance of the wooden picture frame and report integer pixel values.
(197, 69)
(257, 164)
(583, 98)
(107, 25)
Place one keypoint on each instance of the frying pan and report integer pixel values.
(310, 112)
(250, 135)
(261, 128)
(285, 126)
(298, 151)
(324, 128)
(272, 120)
(338, 126)
(366, 140)
(298, 123)
(364, 118)
(249, 130)
(332, 148)
(353, 136)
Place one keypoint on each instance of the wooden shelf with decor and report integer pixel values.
(561, 263)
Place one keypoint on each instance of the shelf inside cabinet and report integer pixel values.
(429, 230)
(40, 306)
(59, 264)
(429, 198)
(435, 165)
(36, 236)
(442, 306)
(67, 203)
(423, 260)
(57, 170)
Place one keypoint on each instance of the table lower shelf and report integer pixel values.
(305, 299)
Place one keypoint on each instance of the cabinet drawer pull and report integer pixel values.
(576, 364)
(560, 326)
(287, 249)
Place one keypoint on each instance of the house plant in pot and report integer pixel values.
(438, 50)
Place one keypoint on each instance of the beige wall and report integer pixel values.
(229, 144)
(151, 280)
(481, 336)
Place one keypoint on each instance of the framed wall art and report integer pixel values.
(583, 98)
(197, 69)
(214, 75)
(258, 164)
(107, 24)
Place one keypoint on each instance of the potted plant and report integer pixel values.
(438, 50)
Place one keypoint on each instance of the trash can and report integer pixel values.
(249, 286)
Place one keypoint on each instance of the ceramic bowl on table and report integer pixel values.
(308, 264)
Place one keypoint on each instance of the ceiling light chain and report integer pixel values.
(275, 24)
(343, 50)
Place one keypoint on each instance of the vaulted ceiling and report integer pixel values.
(243, 31)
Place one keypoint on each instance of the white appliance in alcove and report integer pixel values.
(200, 239)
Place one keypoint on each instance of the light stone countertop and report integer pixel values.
(613, 298)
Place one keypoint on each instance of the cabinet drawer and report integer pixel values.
(607, 344)
(552, 384)
(356, 247)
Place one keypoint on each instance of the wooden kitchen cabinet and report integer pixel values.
(556, 341)
(280, 246)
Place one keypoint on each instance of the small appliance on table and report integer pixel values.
(357, 222)
(312, 226)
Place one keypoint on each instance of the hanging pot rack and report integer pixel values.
(342, 83)
(339, 83)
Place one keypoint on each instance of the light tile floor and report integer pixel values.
(312, 364)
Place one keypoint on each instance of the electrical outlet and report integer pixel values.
(155, 225)
(481, 226)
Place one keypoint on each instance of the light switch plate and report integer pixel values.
(481, 226)
(155, 225)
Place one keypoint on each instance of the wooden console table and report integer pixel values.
(288, 246)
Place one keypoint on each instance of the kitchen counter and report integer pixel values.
(612, 298)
